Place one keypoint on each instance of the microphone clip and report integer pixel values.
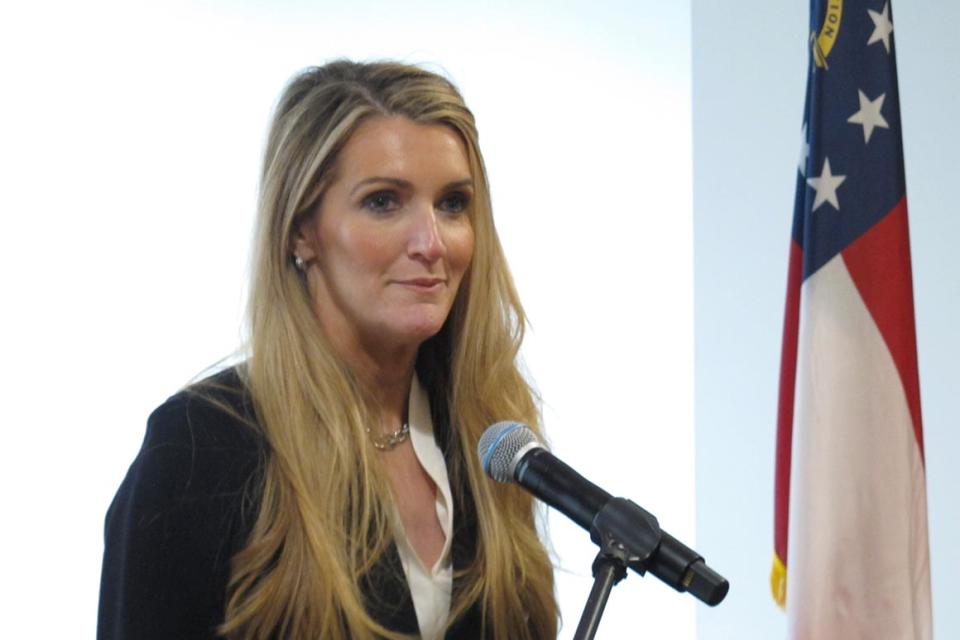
(621, 547)
(627, 532)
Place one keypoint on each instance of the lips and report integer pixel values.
(423, 283)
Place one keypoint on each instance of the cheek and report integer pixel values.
(460, 248)
(364, 249)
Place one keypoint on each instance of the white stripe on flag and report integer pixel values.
(858, 557)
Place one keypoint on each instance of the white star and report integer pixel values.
(826, 187)
(804, 150)
(869, 115)
(882, 27)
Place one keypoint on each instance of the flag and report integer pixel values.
(850, 533)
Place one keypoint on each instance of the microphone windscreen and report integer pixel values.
(499, 445)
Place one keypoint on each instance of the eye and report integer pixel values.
(381, 201)
(455, 202)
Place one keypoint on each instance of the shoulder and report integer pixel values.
(184, 509)
(215, 412)
(206, 433)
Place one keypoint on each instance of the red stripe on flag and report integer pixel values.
(879, 263)
(788, 375)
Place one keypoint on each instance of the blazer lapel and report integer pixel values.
(387, 595)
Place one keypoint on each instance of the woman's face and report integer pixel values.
(391, 238)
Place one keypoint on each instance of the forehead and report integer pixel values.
(397, 147)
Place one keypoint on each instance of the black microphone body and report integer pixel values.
(634, 532)
(556, 483)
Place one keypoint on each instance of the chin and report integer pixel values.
(423, 333)
(420, 329)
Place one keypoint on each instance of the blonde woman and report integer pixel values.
(328, 486)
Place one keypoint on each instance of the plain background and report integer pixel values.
(630, 145)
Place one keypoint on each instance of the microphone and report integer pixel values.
(510, 452)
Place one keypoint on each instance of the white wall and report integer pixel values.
(749, 66)
(131, 137)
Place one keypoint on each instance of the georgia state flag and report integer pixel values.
(851, 557)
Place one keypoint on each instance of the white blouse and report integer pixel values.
(429, 587)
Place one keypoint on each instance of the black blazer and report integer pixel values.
(186, 507)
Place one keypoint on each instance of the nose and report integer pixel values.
(426, 236)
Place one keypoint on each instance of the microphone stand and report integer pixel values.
(609, 568)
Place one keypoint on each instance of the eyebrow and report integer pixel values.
(405, 184)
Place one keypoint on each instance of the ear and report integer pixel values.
(304, 240)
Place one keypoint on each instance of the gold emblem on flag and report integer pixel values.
(823, 42)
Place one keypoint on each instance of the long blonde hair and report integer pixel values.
(322, 522)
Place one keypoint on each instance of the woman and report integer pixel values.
(328, 486)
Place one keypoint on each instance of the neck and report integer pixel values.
(386, 373)
(388, 381)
